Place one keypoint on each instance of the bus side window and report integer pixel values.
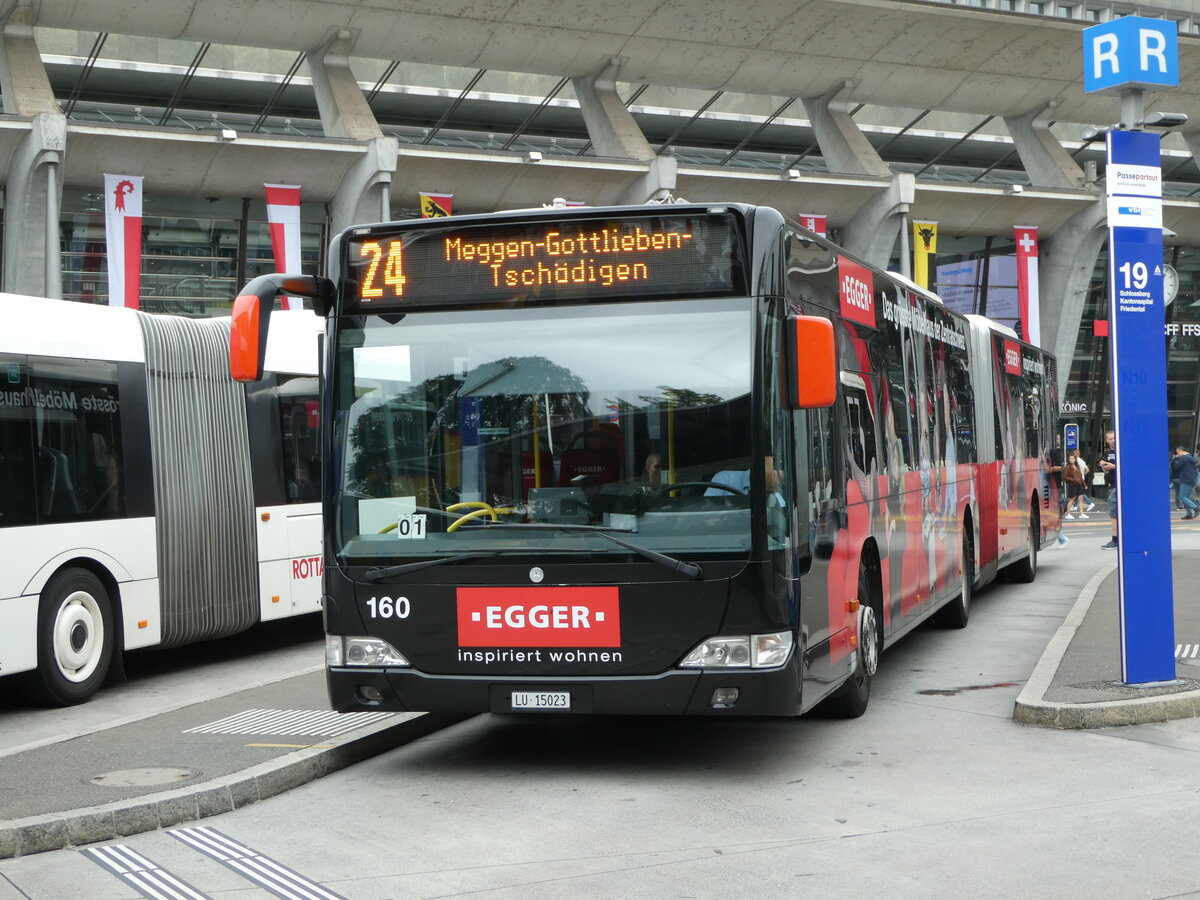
(820, 458)
(811, 270)
(1033, 416)
(896, 436)
(17, 503)
(298, 428)
(962, 396)
(76, 460)
(860, 436)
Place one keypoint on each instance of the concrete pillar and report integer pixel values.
(24, 84)
(656, 185)
(1193, 144)
(610, 126)
(1065, 271)
(364, 194)
(32, 259)
(344, 110)
(871, 233)
(845, 149)
(1044, 159)
(33, 187)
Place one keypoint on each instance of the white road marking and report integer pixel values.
(279, 722)
(270, 875)
(142, 874)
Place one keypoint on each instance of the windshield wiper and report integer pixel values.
(690, 570)
(381, 572)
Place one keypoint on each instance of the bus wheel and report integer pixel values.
(956, 614)
(1024, 571)
(75, 638)
(850, 700)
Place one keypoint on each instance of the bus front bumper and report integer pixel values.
(744, 692)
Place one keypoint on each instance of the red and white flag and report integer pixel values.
(283, 215)
(123, 236)
(815, 223)
(1027, 283)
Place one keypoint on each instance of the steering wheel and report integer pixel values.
(667, 488)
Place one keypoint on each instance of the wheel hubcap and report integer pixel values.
(868, 640)
(78, 636)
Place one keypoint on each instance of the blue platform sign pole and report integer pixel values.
(1128, 55)
(1139, 360)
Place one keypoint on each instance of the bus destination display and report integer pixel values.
(660, 256)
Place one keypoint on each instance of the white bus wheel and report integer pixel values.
(75, 637)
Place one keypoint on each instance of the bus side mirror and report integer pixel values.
(252, 317)
(812, 363)
(248, 337)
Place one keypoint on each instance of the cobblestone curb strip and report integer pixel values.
(1032, 709)
(37, 834)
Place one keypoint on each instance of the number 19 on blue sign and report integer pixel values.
(1135, 275)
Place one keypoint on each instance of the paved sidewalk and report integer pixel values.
(1077, 682)
(200, 760)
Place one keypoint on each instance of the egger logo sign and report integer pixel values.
(1012, 357)
(857, 290)
(539, 617)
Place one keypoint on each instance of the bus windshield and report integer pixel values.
(631, 417)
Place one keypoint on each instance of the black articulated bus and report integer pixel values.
(664, 459)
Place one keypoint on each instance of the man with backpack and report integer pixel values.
(1183, 467)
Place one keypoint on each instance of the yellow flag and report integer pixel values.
(924, 246)
(434, 205)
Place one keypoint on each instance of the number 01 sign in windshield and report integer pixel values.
(542, 262)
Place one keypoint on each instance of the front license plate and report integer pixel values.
(541, 700)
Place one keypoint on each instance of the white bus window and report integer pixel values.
(299, 428)
(61, 443)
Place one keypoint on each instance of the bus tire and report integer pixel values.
(75, 638)
(1025, 570)
(958, 611)
(851, 699)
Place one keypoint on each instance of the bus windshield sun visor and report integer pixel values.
(687, 569)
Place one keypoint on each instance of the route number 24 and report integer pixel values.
(387, 608)
(393, 268)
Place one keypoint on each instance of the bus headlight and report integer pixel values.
(770, 650)
(740, 651)
(341, 650)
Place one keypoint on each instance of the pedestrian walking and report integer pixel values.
(1108, 465)
(1073, 478)
(1085, 496)
(1183, 467)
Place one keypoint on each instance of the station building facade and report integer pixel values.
(208, 122)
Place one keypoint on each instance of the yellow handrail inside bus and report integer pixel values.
(480, 509)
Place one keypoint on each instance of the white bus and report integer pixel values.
(147, 499)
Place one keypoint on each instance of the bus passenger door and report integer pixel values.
(821, 496)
